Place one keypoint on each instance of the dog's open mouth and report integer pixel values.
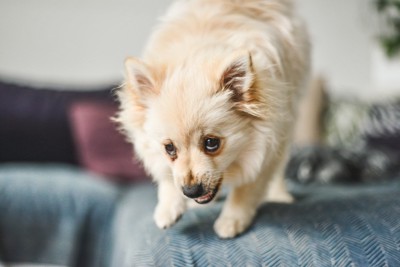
(204, 199)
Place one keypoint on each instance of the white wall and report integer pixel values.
(72, 42)
(341, 41)
(345, 48)
(83, 42)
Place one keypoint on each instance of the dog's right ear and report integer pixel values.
(139, 78)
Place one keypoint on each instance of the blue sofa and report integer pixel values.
(53, 212)
(335, 226)
(55, 215)
(60, 215)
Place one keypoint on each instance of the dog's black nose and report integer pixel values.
(193, 191)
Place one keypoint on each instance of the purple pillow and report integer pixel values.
(100, 146)
(34, 123)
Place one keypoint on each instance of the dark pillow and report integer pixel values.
(350, 122)
(34, 123)
(382, 128)
(100, 146)
(322, 165)
(327, 165)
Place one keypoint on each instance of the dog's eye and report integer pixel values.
(211, 144)
(171, 150)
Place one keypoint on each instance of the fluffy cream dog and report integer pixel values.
(213, 102)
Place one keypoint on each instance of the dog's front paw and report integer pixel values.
(229, 227)
(281, 197)
(167, 215)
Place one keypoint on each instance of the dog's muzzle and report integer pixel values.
(199, 194)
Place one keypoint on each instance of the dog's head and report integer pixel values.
(197, 116)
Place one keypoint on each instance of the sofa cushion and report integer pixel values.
(54, 215)
(382, 128)
(100, 147)
(342, 122)
(339, 226)
(354, 123)
(324, 165)
(34, 122)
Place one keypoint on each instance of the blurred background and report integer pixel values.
(74, 51)
(80, 44)
(62, 159)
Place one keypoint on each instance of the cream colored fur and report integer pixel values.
(226, 68)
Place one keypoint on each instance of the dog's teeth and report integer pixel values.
(203, 198)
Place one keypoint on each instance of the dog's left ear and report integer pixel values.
(237, 75)
(238, 78)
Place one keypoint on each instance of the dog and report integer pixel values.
(213, 101)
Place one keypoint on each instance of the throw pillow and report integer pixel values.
(34, 122)
(101, 148)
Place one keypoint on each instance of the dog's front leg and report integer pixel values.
(171, 204)
(240, 208)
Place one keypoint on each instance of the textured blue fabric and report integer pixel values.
(55, 214)
(327, 226)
